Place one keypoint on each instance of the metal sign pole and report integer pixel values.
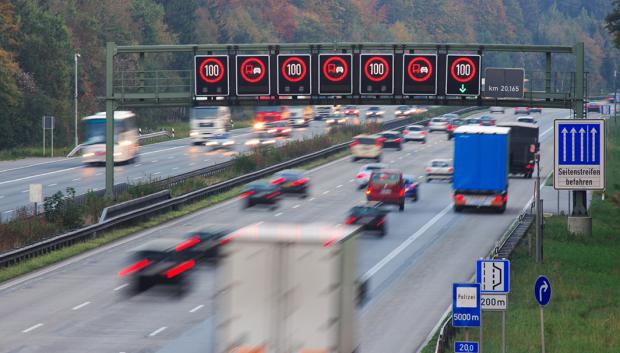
(503, 331)
(44, 136)
(538, 211)
(480, 344)
(542, 328)
(52, 136)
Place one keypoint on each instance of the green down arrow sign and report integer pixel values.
(462, 89)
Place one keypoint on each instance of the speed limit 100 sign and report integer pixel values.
(294, 74)
(376, 74)
(463, 75)
(211, 75)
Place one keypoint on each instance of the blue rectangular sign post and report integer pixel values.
(466, 305)
(465, 347)
(579, 154)
(493, 276)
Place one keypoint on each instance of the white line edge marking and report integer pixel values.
(78, 307)
(296, 206)
(278, 214)
(156, 173)
(407, 242)
(159, 330)
(53, 184)
(121, 287)
(31, 328)
(312, 198)
(24, 191)
(325, 192)
(76, 179)
(9, 211)
(339, 186)
(197, 308)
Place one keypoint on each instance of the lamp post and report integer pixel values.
(75, 95)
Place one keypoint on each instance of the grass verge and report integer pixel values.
(70, 251)
(584, 312)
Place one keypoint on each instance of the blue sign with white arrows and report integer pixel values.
(579, 154)
(542, 290)
(466, 305)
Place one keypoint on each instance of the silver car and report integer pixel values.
(415, 133)
(363, 175)
(439, 169)
(438, 124)
(497, 110)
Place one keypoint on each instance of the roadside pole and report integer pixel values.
(542, 293)
(542, 328)
(109, 108)
(538, 211)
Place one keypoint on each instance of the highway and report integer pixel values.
(79, 306)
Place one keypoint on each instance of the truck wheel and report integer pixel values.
(458, 209)
(382, 231)
(401, 206)
(378, 159)
(501, 209)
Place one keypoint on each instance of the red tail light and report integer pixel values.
(505, 198)
(272, 195)
(379, 142)
(398, 140)
(301, 181)
(405, 132)
(178, 269)
(450, 169)
(360, 176)
(187, 243)
(350, 220)
(423, 132)
(278, 181)
(368, 191)
(460, 197)
(134, 268)
(497, 199)
(246, 194)
(429, 169)
(402, 192)
(354, 143)
(529, 166)
(381, 221)
(450, 127)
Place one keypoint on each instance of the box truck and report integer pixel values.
(481, 167)
(284, 288)
(523, 147)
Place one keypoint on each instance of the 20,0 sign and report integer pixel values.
(376, 74)
(463, 75)
(294, 74)
(211, 75)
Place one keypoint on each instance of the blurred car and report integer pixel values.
(404, 111)
(158, 262)
(363, 175)
(366, 147)
(220, 141)
(203, 244)
(593, 107)
(487, 120)
(535, 110)
(411, 188)
(527, 119)
(387, 186)
(351, 110)
(438, 124)
(522, 110)
(292, 181)
(453, 124)
(260, 193)
(336, 120)
(279, 128)
(300, 116)
(322, 112)
(369, 215)
(374, 112)
(439, 169)
(414, 133)
(392, 139)
(472, 121)
(497, 110)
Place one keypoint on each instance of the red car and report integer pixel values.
(351, 110)
(387, 186)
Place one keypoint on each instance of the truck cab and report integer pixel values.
(208, 122)
(269, 114)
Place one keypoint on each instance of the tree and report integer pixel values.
(613, 23)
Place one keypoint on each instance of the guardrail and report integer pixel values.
(150, 135)
(89, 232)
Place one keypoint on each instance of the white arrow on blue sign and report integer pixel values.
(579, 154)
(542, 290)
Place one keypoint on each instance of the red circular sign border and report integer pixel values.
(470, 62)
(427, 62)
(218, 63)
(303, 66)
(260, 63)
(384, 62)
(344, 64)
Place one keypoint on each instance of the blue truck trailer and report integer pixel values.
(481, 166)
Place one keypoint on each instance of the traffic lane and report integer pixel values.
(445, 254)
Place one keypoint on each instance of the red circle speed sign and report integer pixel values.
(335, 69)
(376, 69)
(211, 70)
(463, 70)
(420, 69)
(252, 70)
(294, 69)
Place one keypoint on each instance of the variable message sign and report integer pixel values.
(420, 74)
(253, 77)
(335, 77)
(211, 75)
(462, 75)
(376, 74)
(294, 73)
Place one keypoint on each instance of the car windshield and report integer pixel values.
(374, 109)
(390, 135)
(374, 167)
(438, 120)
(402, 107)
(486, 117)
(385, 178)
(259, 186)
(351, 107)
(204, 113)
(439, 164)
(414, 128)
(366, 140)
(526, 120)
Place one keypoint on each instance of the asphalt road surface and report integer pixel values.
(78, 305)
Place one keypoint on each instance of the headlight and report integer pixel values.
(211, 143)
(329, 121)
(300, 121)
(228, 143)
(90, 154)
(379, 113)
(125, 143)
(287, 130)
(194, 133)
(271, 131)
(252, 142)
(116, 154)
(268, 142)
(259, 126)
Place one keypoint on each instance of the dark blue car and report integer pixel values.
(411, 188)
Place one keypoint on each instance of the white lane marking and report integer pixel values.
(338, 225)
(325, 192)
(76, 179)
(339, 186)
(175, 168)
(1, 196)
(78, 307)
(9, 211)
(170, 157)
(159, 330)
(295, 206)
(98, 174)
(407, 242)
(137, 178)
(24, 191)
(137, 165)
(351, 180)
(196, 308)
(392, 162)
(53, 184)
(32, 328)
(32, 165)
(165, 149)
(278, 214)
(154, 161)
(156, 173)
(408, 154)
(261, 222)
(312, 198)
(192, 164)
(121, 287)
(400, 157)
